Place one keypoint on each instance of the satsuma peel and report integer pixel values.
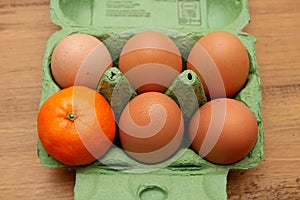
(76, 125)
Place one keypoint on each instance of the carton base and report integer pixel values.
(106, 185)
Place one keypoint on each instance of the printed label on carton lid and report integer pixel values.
(158, 13)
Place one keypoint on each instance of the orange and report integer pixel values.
(76, 125)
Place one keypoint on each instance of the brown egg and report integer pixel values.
(221, 61)
(79, 59)
(223, 131)
(151, 128)
(151, 61)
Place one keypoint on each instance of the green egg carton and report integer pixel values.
(186, 175)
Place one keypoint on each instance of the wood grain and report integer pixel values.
(24, 30)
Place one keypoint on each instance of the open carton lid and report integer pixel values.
(182, 15)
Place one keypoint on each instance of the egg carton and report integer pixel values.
(186, 175)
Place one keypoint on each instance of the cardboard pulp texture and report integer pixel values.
(186, 175)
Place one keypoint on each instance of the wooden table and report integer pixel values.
(24, 30)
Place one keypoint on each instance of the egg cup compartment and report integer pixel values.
(185, 175)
